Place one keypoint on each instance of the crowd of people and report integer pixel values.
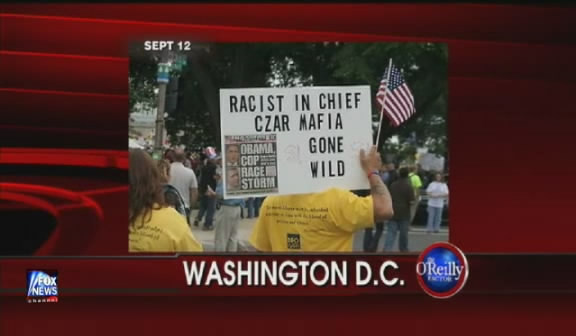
(163, 194)
(408, 185)
(154, 224)
(181, 180)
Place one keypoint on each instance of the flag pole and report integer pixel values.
(383, 101)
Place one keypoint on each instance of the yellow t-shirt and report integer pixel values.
(416, 181)
(416, 184)
(320, 222)
(166, 231)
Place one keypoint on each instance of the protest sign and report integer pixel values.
(294, 140)
(431, 162)
(250, 164)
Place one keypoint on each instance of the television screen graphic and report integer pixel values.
(377, 158)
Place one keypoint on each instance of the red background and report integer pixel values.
(64, 78)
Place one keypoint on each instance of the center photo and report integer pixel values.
(327, 147)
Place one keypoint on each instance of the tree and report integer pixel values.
(142, 78)
(425, 70)
(302, 64)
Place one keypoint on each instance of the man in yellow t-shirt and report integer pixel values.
(165, 231)
(325, 221)
(416, 185)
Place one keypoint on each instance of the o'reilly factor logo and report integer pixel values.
(42, 286)
(442, 270)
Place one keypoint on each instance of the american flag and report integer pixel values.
(395, 99)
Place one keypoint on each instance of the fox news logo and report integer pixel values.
(442, 270)
(42, 286)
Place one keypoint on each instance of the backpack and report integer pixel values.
(174, 199)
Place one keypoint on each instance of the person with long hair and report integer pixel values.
(153, 226)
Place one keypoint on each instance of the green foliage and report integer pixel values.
(303, 64)
(425, 70)
(142, 81)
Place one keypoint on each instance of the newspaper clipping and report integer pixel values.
(251, 164)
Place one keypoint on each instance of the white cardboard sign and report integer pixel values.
(279, 141)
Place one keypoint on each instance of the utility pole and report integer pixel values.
(163, 79)
(165, 66)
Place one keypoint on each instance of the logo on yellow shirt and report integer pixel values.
(294, 241)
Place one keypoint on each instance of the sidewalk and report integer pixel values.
(246, 226)
(207, 237)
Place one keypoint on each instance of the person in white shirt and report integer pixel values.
(184, 179)
(437, 192)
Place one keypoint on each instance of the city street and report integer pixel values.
(418, 239)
